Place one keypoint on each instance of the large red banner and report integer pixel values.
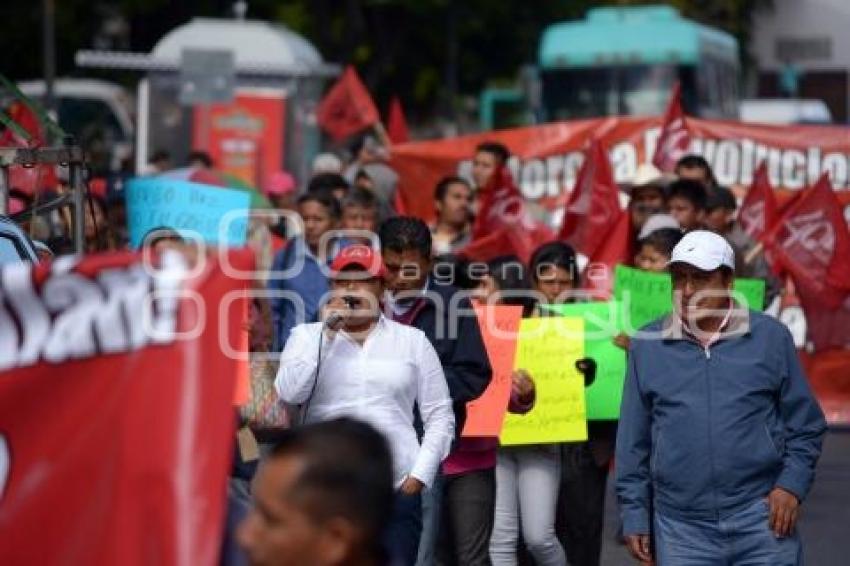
(116, 416)
(547, 158)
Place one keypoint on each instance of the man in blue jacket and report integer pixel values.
(719, 433)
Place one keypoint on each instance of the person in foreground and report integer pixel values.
(373, 369)
(323, 497)
(719, 433)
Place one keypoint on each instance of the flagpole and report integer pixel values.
(751, 255)
(382, 134)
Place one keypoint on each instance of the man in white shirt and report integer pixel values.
(359, 364)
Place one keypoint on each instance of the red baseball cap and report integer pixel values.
(364, 257)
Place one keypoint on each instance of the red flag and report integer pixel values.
(116, 416)
(758, 211)
(27, 179)
(504, 225)
(347, 108)
(812, 243)
(830, 382)
(675, 140)
(397, 123)
(28, 121)
(594, 206)
(826, 327)
(617, 248)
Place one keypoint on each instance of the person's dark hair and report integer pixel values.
(201, 156)
(324, 198)
(327, 182)
(403, 233)
(662, 240)
(443, 185)
(692, 191)
(360, 197)
(347, 472)
(509, 274)
(557, 254)
(498, 150)
(720, 197)
(693, 161)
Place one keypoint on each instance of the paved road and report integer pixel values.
(825, 523)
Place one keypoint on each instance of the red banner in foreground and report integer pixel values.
(547, 158)
(116, 416)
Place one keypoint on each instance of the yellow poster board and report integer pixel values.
(548, 349)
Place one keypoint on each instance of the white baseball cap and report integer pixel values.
(704, 250)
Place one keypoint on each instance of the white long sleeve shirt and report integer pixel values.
(378, 383)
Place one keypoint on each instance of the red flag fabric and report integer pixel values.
(812, 243)
(116, 416)
(830, 381)
(594, 206)
(503, 224)
(758, 210)
(27, 179)
(617, 248)
(674, 141)
(826, 327)
(397, 123)
(347, 108)
(28, 121)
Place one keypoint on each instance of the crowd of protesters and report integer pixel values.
(360, 323)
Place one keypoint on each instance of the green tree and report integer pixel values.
(428, 52)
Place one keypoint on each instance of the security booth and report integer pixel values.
(243, 91)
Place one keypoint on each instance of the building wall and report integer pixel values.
(813, 36)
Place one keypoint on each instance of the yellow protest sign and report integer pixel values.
(548, 349)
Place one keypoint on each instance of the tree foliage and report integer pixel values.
(429, 52)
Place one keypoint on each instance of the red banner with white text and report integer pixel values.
(116, 416)
(547, 158)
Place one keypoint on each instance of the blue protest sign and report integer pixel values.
(157, 202)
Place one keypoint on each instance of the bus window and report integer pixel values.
(646, 89)
(579, 93)
(607, 91)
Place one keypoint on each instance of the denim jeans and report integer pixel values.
(744, 539)
(401, 538)
(431, 505)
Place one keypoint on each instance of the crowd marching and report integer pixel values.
(365, 318)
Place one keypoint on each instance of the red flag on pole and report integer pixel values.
(397, 123)
(615, 249)
(594, 207)
(812, 243)
(674, 140)
(504, 225)
(347, 108)
(758, 211)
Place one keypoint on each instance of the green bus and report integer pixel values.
(620, 61)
